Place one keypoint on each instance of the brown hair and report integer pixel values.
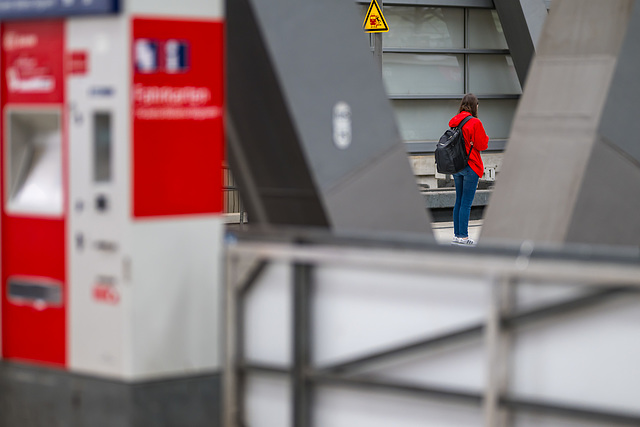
(469, 103)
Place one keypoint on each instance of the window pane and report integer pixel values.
(424, 27)
(496, 116)
(423, 74)
(485, 30)
(426, 120)
(493, 74)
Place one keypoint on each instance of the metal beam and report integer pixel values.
(610, 418)
(252, 277)
(511, 320)
(300, 385)
(484, 4)
(438, 341)
(462, 396)
(522, 22)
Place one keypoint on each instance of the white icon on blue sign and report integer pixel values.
(146, 56)
(176, 56)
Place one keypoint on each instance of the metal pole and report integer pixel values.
(376, 43)
(232, 378)
(498, 343)
(301, 388)
(376, 47)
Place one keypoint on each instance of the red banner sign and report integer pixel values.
(177, 96)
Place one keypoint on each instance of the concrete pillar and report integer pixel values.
(312, 134)
(571, 171)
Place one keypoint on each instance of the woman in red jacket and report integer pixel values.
(466, 180)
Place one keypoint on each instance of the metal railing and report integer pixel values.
(232, 200)
(601, 275)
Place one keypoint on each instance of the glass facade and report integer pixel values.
(426, 119)
(423, 74)
(424, 27)
(433, 55)
(492, 75)
(485, 30)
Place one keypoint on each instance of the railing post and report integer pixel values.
(498, 344)
(232, 378)
(301, 388)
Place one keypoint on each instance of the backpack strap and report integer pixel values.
(465, 120)
(462, 123)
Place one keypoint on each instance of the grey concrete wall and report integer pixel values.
(310, 57)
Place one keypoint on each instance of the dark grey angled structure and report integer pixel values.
(522, 22)
(571, 171)
(289, 63)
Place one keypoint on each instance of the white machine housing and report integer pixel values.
(140, 289)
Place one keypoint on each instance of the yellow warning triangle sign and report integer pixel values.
(374, 22)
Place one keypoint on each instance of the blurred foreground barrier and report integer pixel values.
(326, 331)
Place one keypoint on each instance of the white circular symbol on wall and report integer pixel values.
(342, 125)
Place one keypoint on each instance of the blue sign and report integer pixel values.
(177, 56)
(169, 56)
(13, 9)
(146, 55)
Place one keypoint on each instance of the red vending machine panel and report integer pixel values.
(177, 117)
(33, 192)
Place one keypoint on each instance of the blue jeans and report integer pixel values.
(466, 183)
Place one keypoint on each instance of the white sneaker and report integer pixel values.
(456, 241)
(466, 242)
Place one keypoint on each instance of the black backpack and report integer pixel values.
(451, 155)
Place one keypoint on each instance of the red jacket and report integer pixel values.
(473, 131)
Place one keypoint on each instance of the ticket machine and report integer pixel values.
(111, 185)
